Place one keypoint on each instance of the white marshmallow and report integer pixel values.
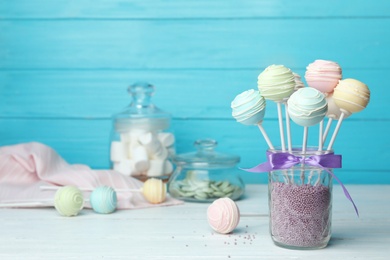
(140, 159)
(153, 146)
(167, 139)
(156, 168)
(125, 167)
(168, 167)
(118, 151)
(124, 137)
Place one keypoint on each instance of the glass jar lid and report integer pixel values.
(141, 113)
(206, 156)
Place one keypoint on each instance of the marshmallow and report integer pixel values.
(167, 139)
(140, 159)
(168, 167)
(153, 146)
(118, 151)
(125, 167)
(156, 168)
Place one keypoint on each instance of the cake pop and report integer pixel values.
(307, 107)
(154, 190)
(103, 200)
(351, 96)
(323, 75)
(68, 201)
(248, 108)
(277, 83)
(223, 215)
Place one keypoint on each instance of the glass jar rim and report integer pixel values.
(297, 150)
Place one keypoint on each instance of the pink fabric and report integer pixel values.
(24, 168)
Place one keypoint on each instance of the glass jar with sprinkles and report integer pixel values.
(300, 205)
(205, 175)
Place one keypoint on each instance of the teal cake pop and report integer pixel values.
(103, 200)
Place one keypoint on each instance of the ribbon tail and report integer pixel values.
(346, 193)
(263, 167)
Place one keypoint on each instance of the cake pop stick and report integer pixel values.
(327, 128)
(336, 130)
(333, 113)
(320, 135)
(277, 83)
(281, 129)
(288, 127)
(304, 143)
(264, 133)
(68, 201)
(351, 96)
(248, 108)
(25, 203)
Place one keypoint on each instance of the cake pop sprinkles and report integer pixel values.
(299, 215)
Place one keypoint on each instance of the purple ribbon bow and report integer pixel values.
(277, 161)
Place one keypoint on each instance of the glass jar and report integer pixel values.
(141, 140)
(300, 205)
(205, 175)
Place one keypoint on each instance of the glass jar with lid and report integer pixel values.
(205, 175)
(141, 140)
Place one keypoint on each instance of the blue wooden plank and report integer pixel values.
(184, 93)
(140, 9)
(206, 44)
(365, 154)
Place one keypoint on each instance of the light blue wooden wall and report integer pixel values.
(65, 67)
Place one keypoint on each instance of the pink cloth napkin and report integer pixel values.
(25, 168)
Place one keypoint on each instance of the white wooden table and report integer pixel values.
(182, 232)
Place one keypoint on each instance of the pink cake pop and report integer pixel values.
(223, 215)
(323, 75)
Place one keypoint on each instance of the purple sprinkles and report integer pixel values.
(300, 214)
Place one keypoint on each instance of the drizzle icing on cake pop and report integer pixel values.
(154, 190)
(351, 95)
(68, 201)
(323, 75)
(248, 108)
(103, 200)
(307, 106)
(276, 82)
(223, 215)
